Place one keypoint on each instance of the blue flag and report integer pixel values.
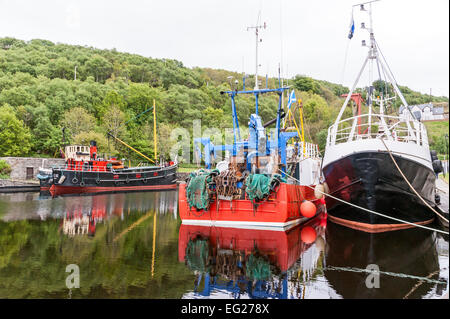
(352, 28)
(292, 99)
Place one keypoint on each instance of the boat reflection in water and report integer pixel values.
(411, 252)
(251, 263)
(96, 207)
(81, 218)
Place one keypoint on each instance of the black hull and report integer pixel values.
(69, 181)
(45, 184)
(371, 180)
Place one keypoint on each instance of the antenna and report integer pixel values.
(257, 27)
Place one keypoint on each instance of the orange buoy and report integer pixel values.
(308, 235)
(308, 209)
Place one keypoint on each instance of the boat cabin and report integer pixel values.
(84, 158)
(77, 152)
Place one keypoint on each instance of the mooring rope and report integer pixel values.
(388, 273)
(409, 184)
(368, 210)
(421, 282)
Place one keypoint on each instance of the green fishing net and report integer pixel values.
(257, 268)
(197, 254)
(197, 191)
(259, 186)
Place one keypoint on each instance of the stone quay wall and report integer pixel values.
(26, 168)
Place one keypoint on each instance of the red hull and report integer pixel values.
(60, 190)
(282, 209)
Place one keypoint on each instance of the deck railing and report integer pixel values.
(375, 126)
(308, 150)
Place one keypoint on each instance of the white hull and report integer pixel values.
(411, 151)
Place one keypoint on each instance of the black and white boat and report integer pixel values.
(357, 163)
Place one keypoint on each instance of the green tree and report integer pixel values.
(306, 84)
(114, 120)
(140, 98)
(78, 120)
(61, 68)
(99, 67)
(15, 137)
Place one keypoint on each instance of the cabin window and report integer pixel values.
(78, 148)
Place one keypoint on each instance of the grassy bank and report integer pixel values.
(187, 168)
(436, 136)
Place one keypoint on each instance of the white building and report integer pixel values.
(423, 112)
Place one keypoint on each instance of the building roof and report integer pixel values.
(421, 107)
(438, 111)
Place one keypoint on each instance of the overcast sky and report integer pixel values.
(309, 37)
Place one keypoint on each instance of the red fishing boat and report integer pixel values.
(263, 182)
(270, 179)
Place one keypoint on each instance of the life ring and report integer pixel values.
(144, 181)
(82, 184)
(74, 180)
(116, 183)
(127, 180)
(97, 181)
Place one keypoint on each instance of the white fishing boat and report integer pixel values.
(377, 160)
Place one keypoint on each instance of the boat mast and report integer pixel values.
(154, 131)
(372, 55)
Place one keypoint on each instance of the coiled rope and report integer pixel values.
(368, 210)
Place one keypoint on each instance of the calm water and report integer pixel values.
(132, 245)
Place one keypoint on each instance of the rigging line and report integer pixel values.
(393, 78)
(393, 274)
(345, 62)
(281, 33)
(368, 210)
(409, 184)
(384, 59)
(132, 226)
(140, 114)
(384, 79)
(420, 283)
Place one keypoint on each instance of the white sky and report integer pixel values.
(413, 34)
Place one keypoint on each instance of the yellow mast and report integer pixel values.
(154, 244)
(291, 117)
(301, 123)
(147, 158)
(154, 131)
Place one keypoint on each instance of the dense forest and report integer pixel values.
(46, 86)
